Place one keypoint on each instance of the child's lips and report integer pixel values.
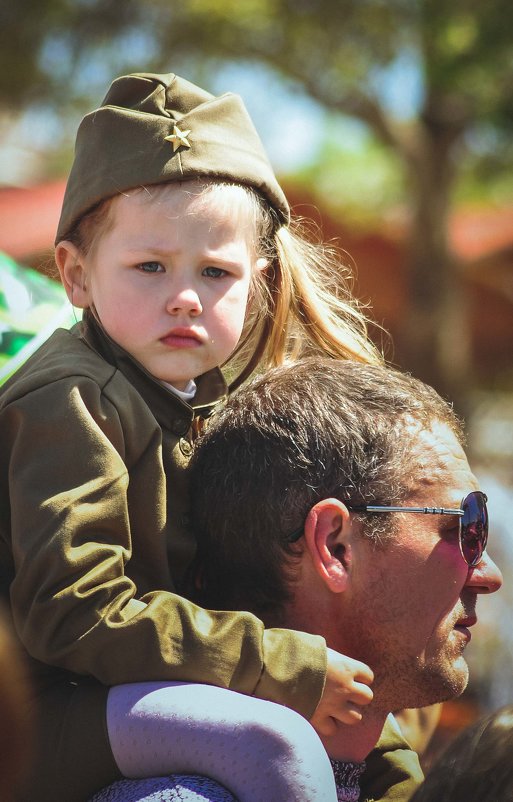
(182, 337)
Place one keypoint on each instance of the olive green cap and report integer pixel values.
(152, 129)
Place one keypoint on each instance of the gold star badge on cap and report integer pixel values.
(178, 138)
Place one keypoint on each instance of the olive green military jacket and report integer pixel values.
(93, 536)
(94, 545)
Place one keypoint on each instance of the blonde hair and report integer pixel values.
(300, 304)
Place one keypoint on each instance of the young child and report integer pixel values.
(175, 239)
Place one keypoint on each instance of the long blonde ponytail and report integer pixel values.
(302, 305)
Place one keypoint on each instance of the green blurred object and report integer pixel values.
(31, 308)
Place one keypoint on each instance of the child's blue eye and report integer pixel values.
(150, 267)
(214, 272)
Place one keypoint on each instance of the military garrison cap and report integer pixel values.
(152, 129)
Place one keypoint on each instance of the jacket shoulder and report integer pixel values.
(63, 356)
(392, 769)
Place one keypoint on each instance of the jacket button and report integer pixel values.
(185, 447)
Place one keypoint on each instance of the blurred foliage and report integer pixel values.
(346, 54)
(355, 182)
(31, 308)
(63, 52)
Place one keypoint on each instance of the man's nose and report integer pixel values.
(485, 577)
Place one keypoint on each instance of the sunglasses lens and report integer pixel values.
(474, 527)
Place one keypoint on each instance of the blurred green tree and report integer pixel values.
(339, 52)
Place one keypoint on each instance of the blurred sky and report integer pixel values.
(279, 111)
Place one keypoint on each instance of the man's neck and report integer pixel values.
(353, 742)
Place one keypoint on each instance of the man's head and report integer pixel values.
(296, 451)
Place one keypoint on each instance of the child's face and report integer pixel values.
(170, 278)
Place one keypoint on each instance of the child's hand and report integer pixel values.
(346, 689)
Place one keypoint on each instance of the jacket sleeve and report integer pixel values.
(73, 604)
(392, 769)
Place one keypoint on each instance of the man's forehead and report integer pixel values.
(439, 463)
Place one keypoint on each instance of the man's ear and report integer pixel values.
(73, 275)
(327, 538)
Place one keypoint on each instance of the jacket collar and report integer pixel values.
(211, 386)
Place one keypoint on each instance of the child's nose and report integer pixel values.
(184, 299)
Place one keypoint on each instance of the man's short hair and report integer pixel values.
(315, 429)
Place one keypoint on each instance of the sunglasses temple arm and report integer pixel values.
(424, 510)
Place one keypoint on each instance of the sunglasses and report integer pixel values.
(473, 523)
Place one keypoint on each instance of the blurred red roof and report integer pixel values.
(28, 219)
(478, 232)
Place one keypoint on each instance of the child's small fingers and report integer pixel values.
(361, 694)
(362, 673)
(350, 715)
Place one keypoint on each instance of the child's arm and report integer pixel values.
(80, 599)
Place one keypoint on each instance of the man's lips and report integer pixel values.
(464, 624)
(182, 337)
